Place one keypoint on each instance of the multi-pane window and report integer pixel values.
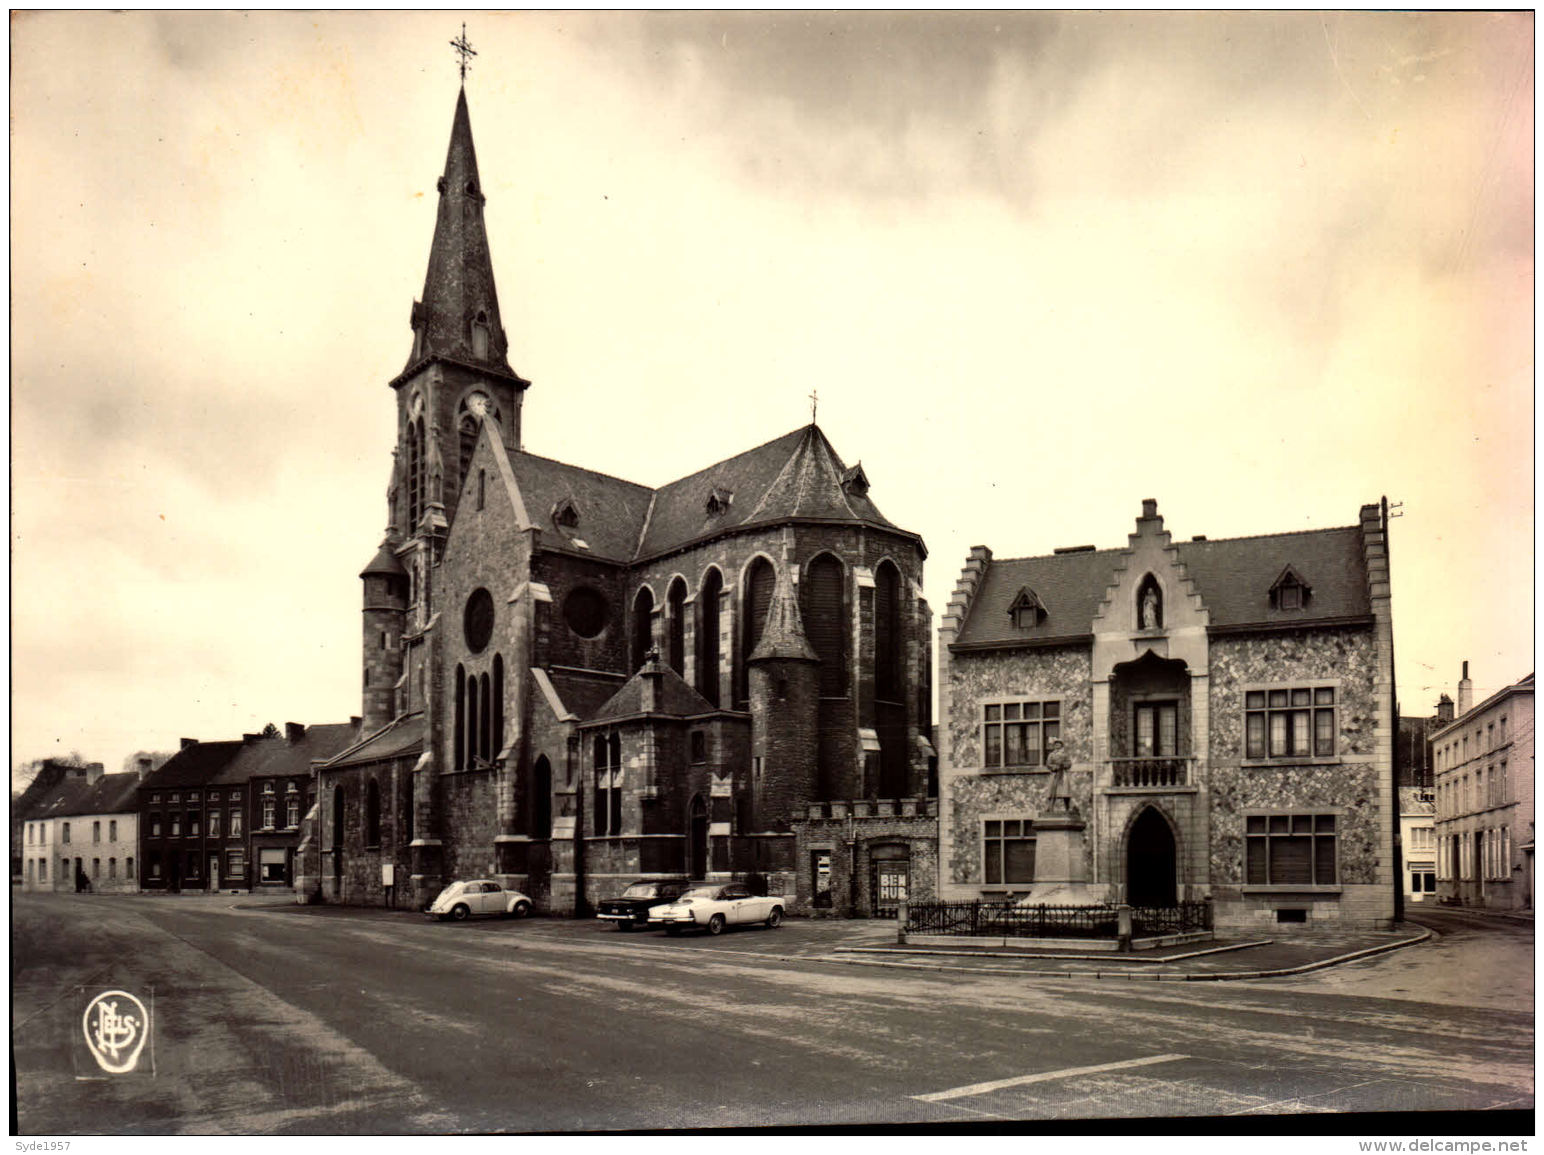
(176, 826)
(192, 823)
(128, 868)
(1016, 734)
(292, 807)
(66, 833)
(42, 870)
(1289, 849)
(1296, 722)
(96, 868)
(214, 824)
(1007, 851)
(235, 822)
(29, 834)
(270, 806)
(1157, 729)
(235, 864)
(155, 826)
(112, 830)
(96, 832)
(1503, 729)
(112, 868)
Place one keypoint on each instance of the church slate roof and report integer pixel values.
(584, 694)
(796, 476)
(397, 740)
(1233, 577)
(611, 511)
(674, 698)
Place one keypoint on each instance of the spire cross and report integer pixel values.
(814, 403)
(463, 50)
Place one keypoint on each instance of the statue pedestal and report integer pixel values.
(1061, 866)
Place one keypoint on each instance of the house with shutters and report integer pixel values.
(572, 682)
(1175, 721)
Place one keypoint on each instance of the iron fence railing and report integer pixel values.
(1007, 919)
(1010, 920)
(1148, 921)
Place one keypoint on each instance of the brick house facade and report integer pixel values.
(1225, 713)
(565, 682)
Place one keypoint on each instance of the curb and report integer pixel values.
(1125, 960)
(1151, 977)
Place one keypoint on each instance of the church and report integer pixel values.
(572, 682)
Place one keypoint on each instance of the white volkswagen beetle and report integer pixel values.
(714, 906)
(472, 896)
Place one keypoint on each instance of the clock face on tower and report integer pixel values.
(478, 404)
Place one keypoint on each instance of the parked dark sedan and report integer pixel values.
(632, 907)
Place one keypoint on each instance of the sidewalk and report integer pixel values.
(1241, 958)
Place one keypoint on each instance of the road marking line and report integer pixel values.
(1043, 1077)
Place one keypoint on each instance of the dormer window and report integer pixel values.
(565, 515)
(1027, 610)
(855, 481)
(719, 501)
(1290, 591)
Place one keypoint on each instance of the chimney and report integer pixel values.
(250, 738)
(1149, 508)
(93, 771)
(1444, 710)
(186, 742)
(294, 731)
(1465, 693)
(355, 720)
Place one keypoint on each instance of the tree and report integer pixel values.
(157, 759)
(271, 731)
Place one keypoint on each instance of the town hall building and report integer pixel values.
(1175, 721)
(572, 682)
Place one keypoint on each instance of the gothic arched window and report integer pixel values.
(643, 626)
(825, 622)
(888, 648)
(675, 626)
(759, 580)
(708, 657)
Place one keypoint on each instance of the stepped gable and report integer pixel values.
(797, 475)
(401, 737)
(1071, 587)
(611, 512)
(669, 696)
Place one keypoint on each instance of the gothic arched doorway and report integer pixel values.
(1151, 861)
(697, 841)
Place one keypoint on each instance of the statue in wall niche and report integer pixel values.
(1151, 617)
(1058, 762)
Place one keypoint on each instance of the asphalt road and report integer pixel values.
(292, 1021)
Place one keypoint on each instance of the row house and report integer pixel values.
(26, 805)
(1175, 721)
(1483, 760)
(83, 835)
(228, 815)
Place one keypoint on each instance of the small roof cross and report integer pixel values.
(464, 50)
(814, 403)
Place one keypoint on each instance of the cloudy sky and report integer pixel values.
(1263, 268)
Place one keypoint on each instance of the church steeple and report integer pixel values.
(458, 317)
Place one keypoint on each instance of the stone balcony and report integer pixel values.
(1150, 773)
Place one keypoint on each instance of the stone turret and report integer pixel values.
(385, 611)
(784, 702)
